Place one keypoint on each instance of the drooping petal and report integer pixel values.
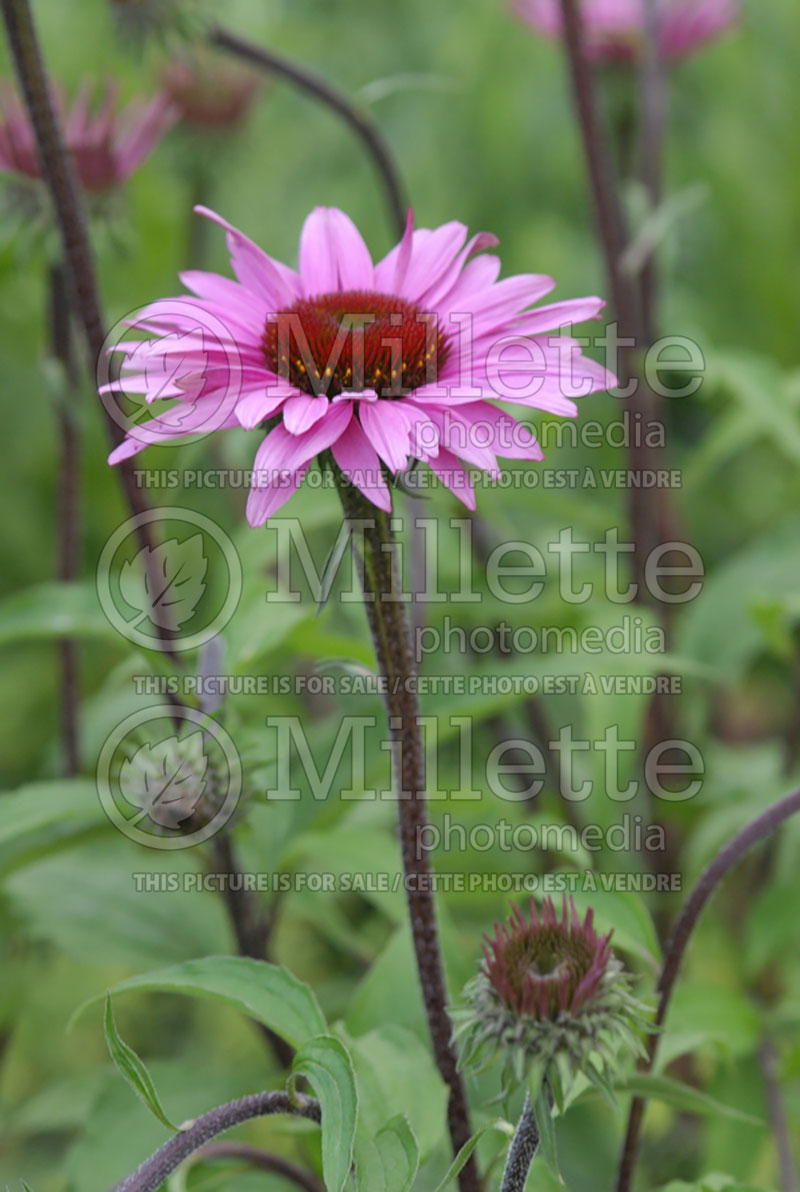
(359, 461)
(387, 428)
(454, 477)
(263, 503)
(303, 411)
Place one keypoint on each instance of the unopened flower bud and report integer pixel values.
(552, 1000)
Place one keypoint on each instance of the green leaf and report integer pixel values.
(154, 915)
(499, 1125)
(327, 1067)
(711, 1183)
(760, 389)
(722, 626)
(682, 1096)
(45, 816)
(265, 992)
(399, 1154)
(543, 1114)
(132, 1069)
(397, 1076)
(54, 610)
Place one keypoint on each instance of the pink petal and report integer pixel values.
(387, 429)
(391, 271)
(253, 408)
(357, 458)
(559, 314)
(436, 292)
(453, 476)
(228, 294)
(263, 503)
(302, 412)
(333, 255)
(186, 418)
(432, 253)
(276, 284)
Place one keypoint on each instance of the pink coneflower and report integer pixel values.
(377, 364)
(106, 143)
(615, 29)
(552, 1000)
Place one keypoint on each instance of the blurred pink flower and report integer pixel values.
(376, 363)
(208, 92)
(614, 29)
(107, 144)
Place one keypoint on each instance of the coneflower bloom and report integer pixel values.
(552, 999)
(377, 364)
(615, 29)
(106, 142)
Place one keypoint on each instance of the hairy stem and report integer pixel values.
(649, 513)
(710, 878)
(79, 271)
(359, 121)
(263, 1161)
(62, 349)
(522, 1151)
(390, 634)
(651, 151)
(154, 1171)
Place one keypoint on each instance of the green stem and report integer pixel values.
(391, 638)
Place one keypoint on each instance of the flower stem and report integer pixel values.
(154, 1171)
(358, 120)
(651, 151)
(390, 634)
(649, 512)
(707, 883)
(79, 271)
(262, 1161)
(62, 348)
(768, 1063)
(522, 1151)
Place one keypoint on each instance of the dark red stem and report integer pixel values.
(712, 875)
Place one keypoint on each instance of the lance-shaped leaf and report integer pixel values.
(132, 1068)
(327, 1067)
